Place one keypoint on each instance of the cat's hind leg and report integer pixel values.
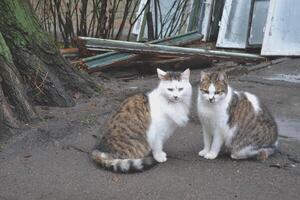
(245, 152)
(251, 151)
(265, 153)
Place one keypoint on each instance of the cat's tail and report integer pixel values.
(106, 161)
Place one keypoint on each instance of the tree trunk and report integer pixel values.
(32, 71)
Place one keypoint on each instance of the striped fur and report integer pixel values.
(107, 161)
(124, 147)
(256, 127)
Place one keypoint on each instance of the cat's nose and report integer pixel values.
(175, 97)
(211, 99)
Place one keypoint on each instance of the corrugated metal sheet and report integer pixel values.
(282, 34)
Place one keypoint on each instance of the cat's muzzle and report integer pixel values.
(211, 100)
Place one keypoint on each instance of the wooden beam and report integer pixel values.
(106, 60)
(142, 48)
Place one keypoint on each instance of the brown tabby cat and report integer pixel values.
(125, 137)
(143, 123)
(237, 119)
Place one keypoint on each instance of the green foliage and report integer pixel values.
(21, 17)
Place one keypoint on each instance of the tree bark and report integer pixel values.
(32, 71)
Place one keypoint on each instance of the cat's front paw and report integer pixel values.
(210, 155)
(160, 157)
(203, 152)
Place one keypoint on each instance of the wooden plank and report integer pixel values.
(69, 52)
(141, 48)
(103, 61)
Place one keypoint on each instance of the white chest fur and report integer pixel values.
(163, 111)
(166, 116)
(214, 117)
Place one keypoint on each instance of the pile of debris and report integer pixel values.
(157, 52)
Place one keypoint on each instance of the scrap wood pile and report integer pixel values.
(164, 51)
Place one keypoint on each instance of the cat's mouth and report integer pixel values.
(173, 100)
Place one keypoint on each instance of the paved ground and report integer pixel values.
(50, 160)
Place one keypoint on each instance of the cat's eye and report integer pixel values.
(218, 92)
(180, 89)
(205, 91)
(170, 89)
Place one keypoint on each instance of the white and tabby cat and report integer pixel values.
(143, 123)
(236, 119)
(169, 106)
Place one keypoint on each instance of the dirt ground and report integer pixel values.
(50, 159)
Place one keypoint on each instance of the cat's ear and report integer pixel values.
(222, 76)
(186, 74)
(161, 74)
(203, 75)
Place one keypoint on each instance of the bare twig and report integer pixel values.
(98, 18)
